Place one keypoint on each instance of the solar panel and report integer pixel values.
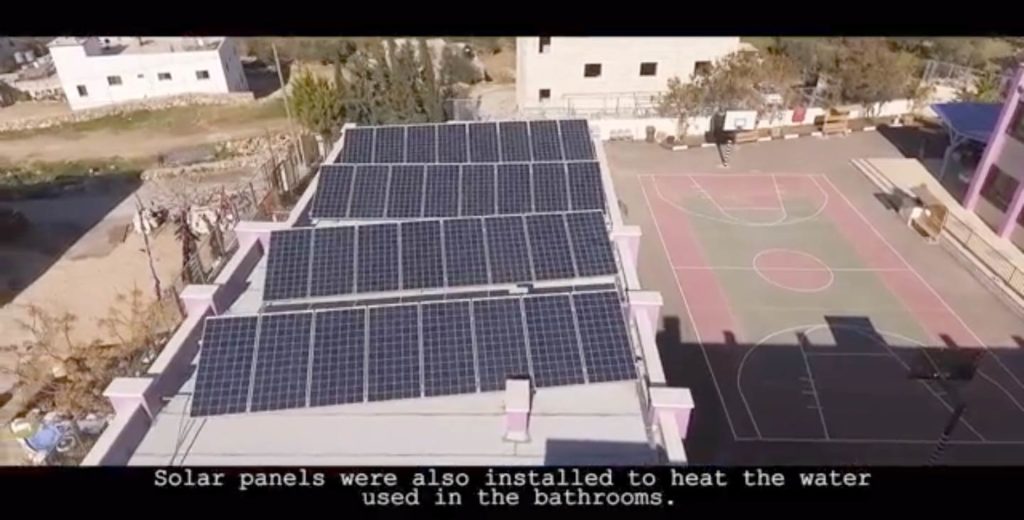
(377, 265)
(576, 140)
(554, 347)
(442, 191)
(334, 261)
(477, 189)
(369, 192)
(405, 193)
(515, 141)
(591, 246)
(422, 262)
(449, 367)
(483, 142)
(549, 187)
(603, 335)
(515, 194)
(282, 362)
(287, 273)
(547, 145)
(500, 342)
(332, 192)
(465, 256)
(290, 360)
(549, 244)
(358, 147)
(225, 368)
(421, 144)
(389, 145)
(585, 188)
(451, 141)
(393, 368)
(507, 250)
(339, 358)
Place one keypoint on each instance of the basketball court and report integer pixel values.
(814, 328)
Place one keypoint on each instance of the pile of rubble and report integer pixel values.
(241, 154)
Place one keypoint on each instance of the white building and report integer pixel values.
(592, 75)
(98, 71)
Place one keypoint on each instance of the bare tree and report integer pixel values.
(72, 374)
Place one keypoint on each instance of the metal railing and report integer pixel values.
(1003, 268)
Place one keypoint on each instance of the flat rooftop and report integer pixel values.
(597, 423)
(146, 44)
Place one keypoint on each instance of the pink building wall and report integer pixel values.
(1003, 150)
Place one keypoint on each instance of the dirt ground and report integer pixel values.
(33, 110)
(129, 145)
(138, 135)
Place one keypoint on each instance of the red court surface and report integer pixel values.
(814, 329)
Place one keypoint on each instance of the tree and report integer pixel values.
(72, 375)
(402, 75)
(682, 101)
(358, 95)
(868, 71)
(430, 95)
(317, 102)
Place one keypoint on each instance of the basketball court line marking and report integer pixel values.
(761, 273)
(733, 220)
(780, 199)
(795, 308)
(909, 267)
(930, 289)
(847, 354)
(751, 268)
(781, 206)
(750, 208)
(729, 174)
(814, 390)
(686, 305)
(808, 329)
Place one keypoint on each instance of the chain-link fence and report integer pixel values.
(940, 73)
(267, 195)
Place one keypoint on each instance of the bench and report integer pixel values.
(928, 219)
(746, 137)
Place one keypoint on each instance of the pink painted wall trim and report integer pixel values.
(516, 422)
(118, 442)
(995, 144)
(1012, 212)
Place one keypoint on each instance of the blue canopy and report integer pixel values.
(973, 121)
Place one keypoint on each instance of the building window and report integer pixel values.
(202, 74)
(702, 68)
(82, 91)
(163, 76)
(140, 76)
(545, 44)
(592, 70)
(113, 80)
(545, 93)
(649, 68)
(999, 188)
(1016, 128)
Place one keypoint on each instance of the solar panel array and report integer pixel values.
(511, 141)
(400, 191)
(436, 253)
(330, 357)
(477, 204)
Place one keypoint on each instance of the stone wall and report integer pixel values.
(234, 98)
